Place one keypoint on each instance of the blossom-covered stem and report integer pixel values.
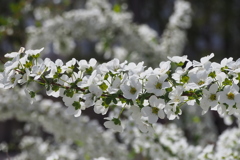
(84, 84)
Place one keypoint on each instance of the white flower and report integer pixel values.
(198, 79)
(131, 88)
(95, 90)
(68, 101)
(14, 54)
(37, 71)
(115, 86)
(114, 124)
(90, 98)
(204, 62)
(156, 109)
(53, 93)
(94, 78)
(156, 84)
(135, 113)
(114, 65)
(83, 64)
(72, 111)
(55, 67)
(25, 77)
(179, 72)
(178, 59)
(170, 110)
(229, 95)
(64, 80)
(163, 68)
(10, 80)
(10, 65)
(30, 95)
(225, 62)
(144, 127)
(176, 95)
(69, 65)
(132, 68)
(99, 108)
(33, 52)
(209, 98)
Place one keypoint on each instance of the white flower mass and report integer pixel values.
(133, 99)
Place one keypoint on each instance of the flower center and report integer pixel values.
(39, 73)
(201, 83)
(213, 97)
(158, 85)
(133, 90)
(155, 110)
(13, 80)
(230, 96)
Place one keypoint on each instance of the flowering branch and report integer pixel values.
(150, 93)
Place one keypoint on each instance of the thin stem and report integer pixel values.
(121, 111)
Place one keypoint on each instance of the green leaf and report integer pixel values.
(184, 79)
(56, 75)
(103, 86)
(55, 88)
(108, 100)
(178, 110)
(106, 76)
(227, 82)
(180, 64)
(28, 64)
(32, 94)
(30, 58)
(238, 77)
(114, 100)
(116, 121)
(36, 56)
(69, 93)
(197, 101)
(89, 70)
(76, 105)
(212, 74)
(59, 70)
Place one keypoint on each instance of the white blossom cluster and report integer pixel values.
(163, 142)
(115, 33)
(168, 142)
(88, 137)
(174, 37)
(148, 93)
(228, 145)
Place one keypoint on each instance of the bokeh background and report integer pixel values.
(214, 27)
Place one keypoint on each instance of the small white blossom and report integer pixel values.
(131, 88)
(34, 52)
(209, 98)
(99, 108)
(156, 109)
(178, 59)
(114, 124)
(229, 95)
(157, 84)
(163, 68)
